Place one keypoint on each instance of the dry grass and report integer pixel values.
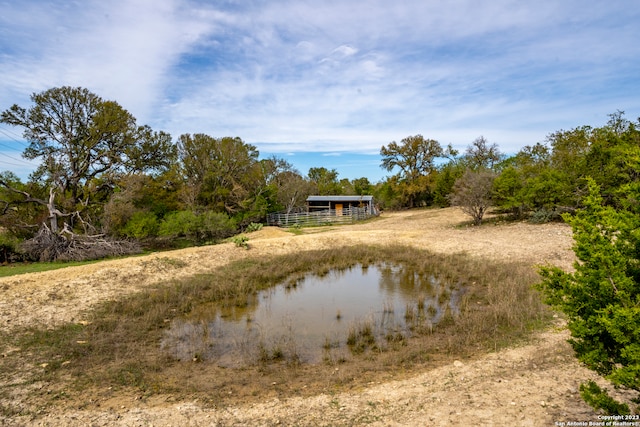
(119, 346)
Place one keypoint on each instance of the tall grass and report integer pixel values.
(120, 346)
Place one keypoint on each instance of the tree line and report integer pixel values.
(102, 174)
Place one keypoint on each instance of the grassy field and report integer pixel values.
(36, 267)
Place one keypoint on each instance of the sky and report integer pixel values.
(328, 83)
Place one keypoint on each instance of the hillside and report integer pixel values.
(535, 384)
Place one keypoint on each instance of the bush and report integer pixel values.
(254, 226)
(180, 224)
(241, 241)
(542, 216)
(202, 227)
(141, 225)
(9, 251)
(216, 226)
(599, 399)
(601, 298)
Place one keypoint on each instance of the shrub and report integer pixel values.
(543, 215)
(216, 226)
(254, 226)
(202, 227)
(141, 225)
(241, 241)
(601, 298)
(9, 248)
(180, 224)
(599, 399)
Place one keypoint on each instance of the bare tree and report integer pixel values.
(472, 193)
(482, 155)
(54, 212)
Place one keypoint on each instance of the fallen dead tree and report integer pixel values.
(48, 246)
(52, 244)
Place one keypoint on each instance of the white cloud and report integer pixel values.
(334, 76)
(344, 51)
(121, 50)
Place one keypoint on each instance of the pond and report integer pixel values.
(318, 315)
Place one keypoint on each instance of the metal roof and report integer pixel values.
(339, 198)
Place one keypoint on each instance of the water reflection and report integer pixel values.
(315, 316)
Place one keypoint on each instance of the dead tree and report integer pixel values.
(51, 243)
(472, 193)
(48, 246)
(54, 213)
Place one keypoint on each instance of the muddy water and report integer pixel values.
(313, 317)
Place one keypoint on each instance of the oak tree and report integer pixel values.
(325, 181)
(413, 156)
(222, 172)
(415, 159)
(82, 142)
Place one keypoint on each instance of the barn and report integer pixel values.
(321, 210)
(342, 205)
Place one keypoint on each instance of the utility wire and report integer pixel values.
(2, 144)
(13, 136)
(21, 161)
(11, 157)
(4, 162)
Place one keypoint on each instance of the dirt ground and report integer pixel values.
(530, 385)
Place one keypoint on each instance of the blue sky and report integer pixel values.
(327, 83)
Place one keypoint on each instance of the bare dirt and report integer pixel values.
(531, 385)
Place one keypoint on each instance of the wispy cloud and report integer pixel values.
(122, 50)
(334, 76)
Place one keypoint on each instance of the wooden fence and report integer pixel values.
(325, 217)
